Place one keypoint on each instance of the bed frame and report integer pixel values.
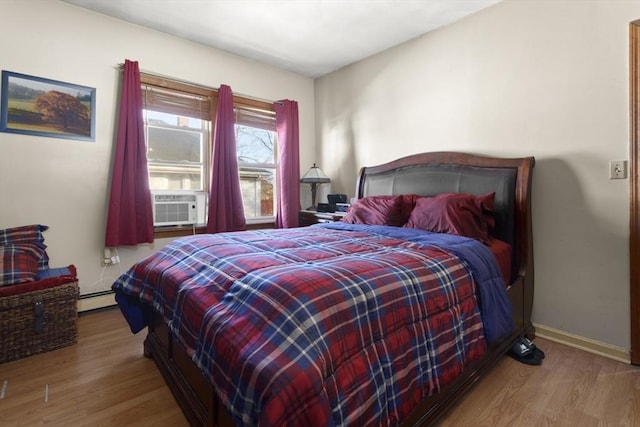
(424, 174)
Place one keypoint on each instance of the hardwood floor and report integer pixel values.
(104, 380)
(570, 388)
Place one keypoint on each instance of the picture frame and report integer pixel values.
(38, 106)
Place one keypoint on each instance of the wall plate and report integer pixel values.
(617, 169)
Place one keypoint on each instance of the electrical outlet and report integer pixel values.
(110, 257)
(617, 169)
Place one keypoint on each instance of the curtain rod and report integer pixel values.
(120, 67)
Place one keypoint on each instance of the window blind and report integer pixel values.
(176, 102)
(256, 118)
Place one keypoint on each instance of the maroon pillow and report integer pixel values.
(486, 203)
(408, 203)
(453, 213)
(376, 210)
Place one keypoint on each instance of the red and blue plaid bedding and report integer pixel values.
(333, 325)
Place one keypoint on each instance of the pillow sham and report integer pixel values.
(25, 233)
(376, 210)
(31, 234)
(454, 213)
(19, 263)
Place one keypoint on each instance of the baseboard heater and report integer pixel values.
(96, 301)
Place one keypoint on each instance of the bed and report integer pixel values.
(347, 323)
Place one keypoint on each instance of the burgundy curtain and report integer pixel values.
(226, 212)
(130, 218)
(288, 176)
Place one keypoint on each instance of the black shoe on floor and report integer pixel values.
(526, 352)
(532, 346)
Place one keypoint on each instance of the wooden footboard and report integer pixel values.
(192, 391)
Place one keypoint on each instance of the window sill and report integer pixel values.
(185, 230)
(178, 231)
(260, 219)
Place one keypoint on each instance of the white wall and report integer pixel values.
(541, 78)
(63, 183)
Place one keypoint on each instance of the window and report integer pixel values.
(256, 151)
(175, 148)
(177, 121)
(178, 125)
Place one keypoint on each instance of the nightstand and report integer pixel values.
(313, 217)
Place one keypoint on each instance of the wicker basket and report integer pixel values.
(38, 321)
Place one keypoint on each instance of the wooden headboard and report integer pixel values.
(428, 174)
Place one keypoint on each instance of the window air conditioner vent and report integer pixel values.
(177, 208)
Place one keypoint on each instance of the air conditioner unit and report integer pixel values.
(174, 208)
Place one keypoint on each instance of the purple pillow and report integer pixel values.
(455, 213)
(486, 203)
(376, 210)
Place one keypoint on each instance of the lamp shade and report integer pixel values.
(315, 176)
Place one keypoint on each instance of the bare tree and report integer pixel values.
(254, 145)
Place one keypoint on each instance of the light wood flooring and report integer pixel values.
(104, 380)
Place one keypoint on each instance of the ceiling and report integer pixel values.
(308, 37)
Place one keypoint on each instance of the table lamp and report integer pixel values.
(314, 177)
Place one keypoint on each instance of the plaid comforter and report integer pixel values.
(332, 324)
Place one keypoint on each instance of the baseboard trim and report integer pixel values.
(592, 346)
(96, 301)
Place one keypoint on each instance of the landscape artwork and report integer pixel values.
(43, 107)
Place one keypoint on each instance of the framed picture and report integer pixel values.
(36, 106)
